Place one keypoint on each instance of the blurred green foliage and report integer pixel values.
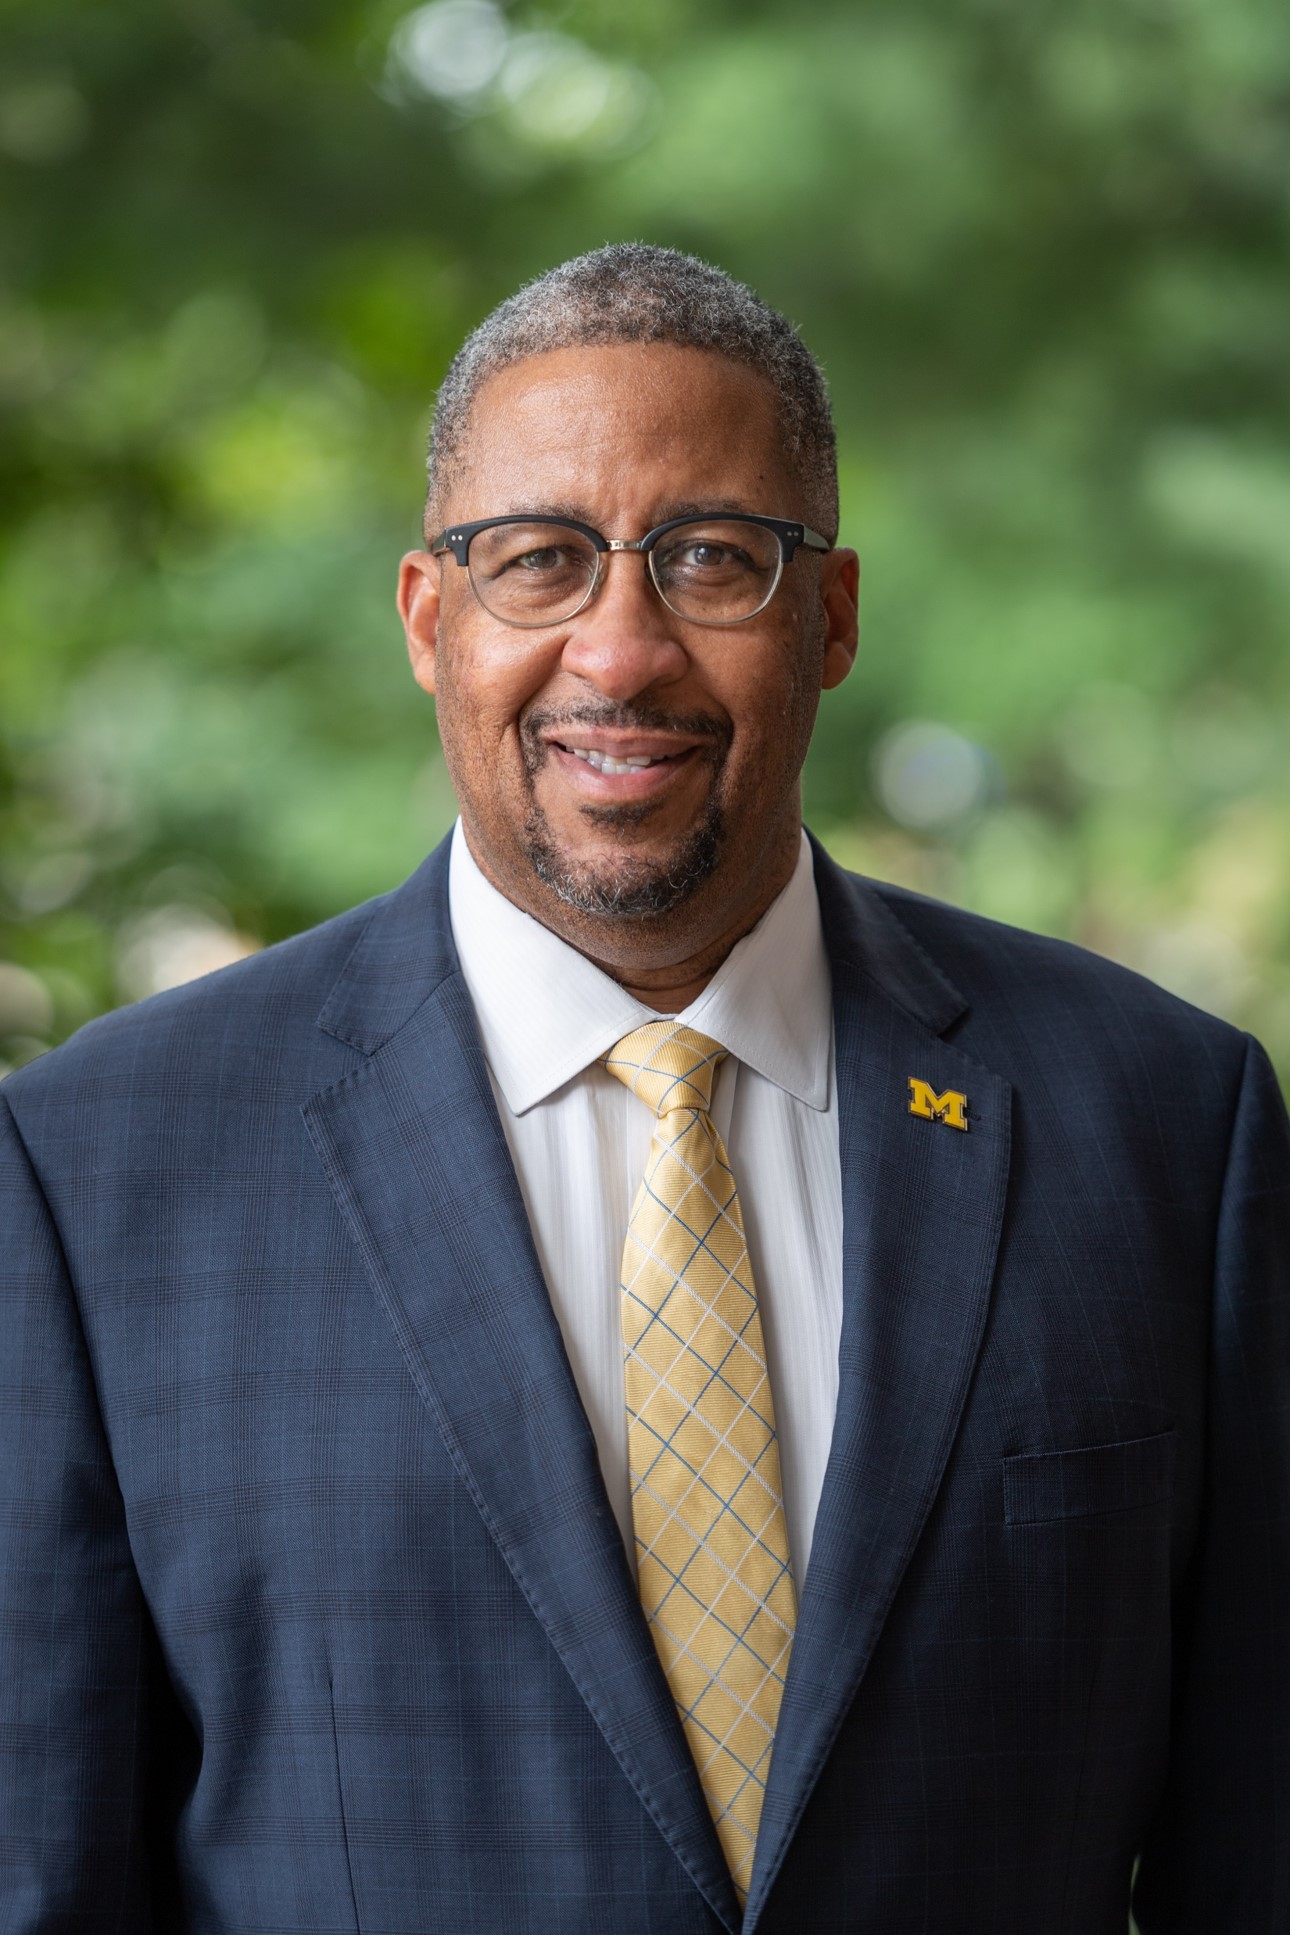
(1042, 251)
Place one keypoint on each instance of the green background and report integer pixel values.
(1042, 252)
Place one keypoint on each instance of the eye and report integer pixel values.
(700, 556)
(523, 555)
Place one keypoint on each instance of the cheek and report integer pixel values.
(483, 685)
(777, 697)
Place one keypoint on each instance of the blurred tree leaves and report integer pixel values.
(1043, 253)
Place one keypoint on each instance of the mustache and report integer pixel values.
(635, 715)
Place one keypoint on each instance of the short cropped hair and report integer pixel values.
(634, 292)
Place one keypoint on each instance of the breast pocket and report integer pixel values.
(1089, 1481)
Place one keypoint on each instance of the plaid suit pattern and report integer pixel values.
(314, 1615)
(707, 1495)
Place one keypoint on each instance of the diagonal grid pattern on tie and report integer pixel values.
(760, 1569)
(713, 1376)
(713, 1563)
(698, 1483)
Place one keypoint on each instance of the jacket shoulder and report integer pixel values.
(257, 1008)
(1054, 990)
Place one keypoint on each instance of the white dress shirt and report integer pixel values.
(579, 1141)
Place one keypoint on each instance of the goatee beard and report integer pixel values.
(634, 889)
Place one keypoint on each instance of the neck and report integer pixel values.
(661, 963)
(671, 988)
(667, 980)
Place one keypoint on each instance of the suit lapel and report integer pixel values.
(922, 1211)
(415, 1155)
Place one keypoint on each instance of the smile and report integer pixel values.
(606, 763)
(631, 767)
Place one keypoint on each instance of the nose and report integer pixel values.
(626, 639)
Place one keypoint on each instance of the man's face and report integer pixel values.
(665, 855)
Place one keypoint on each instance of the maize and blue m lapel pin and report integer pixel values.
(950, 1108)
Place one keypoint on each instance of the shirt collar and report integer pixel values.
(545, 1012)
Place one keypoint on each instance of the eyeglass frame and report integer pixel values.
(790, 532)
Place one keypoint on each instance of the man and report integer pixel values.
(639, 1382)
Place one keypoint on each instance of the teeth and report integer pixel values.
(606, 763)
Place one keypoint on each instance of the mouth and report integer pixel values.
(620, 765)
(622, 752)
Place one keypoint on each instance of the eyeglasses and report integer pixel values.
(534, 571)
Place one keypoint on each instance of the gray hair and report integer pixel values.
(633, 292)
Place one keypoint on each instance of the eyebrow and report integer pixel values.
(579, 514)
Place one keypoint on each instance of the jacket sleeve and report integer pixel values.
(74, 1637)
(1217, 1857)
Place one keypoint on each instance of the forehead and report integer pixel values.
(619, 426)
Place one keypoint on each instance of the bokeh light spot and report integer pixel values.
(927, 775)
(451, 49)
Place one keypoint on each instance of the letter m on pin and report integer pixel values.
(950, 1108)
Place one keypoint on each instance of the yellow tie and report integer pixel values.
(707, 1500)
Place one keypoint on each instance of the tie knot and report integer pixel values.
(668, 1066)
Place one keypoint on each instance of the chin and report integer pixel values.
(627, 884)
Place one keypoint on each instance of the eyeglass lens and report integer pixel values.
(713, 570)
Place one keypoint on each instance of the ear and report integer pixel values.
(420, 579)
(839, 591)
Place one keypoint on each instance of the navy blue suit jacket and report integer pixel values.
(314, 1616)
